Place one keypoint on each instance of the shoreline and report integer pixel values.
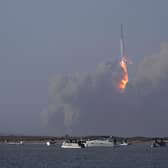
(14, 139)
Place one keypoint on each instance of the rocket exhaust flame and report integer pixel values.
(123, 82)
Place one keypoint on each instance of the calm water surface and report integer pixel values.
(41, 156)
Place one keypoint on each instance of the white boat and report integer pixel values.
(51, 142)
(124, 144)
(154, 145)
(15, 143)
(48, 143)
(99, 143)
(21, 142)
(72, 144)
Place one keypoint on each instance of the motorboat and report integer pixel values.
(48, 143)
(154, 145)
(99, 143)
(157, 143)
(124, 143)
(72, 144)
(15, 143)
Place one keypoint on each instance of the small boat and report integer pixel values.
(48, 143)
(21, 143)
(51, 142)
(157, 143)
(72, 144)
(124, 143)
(15, 143)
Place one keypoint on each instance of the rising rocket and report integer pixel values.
(122, 45)
(124, 56)
(123, 63)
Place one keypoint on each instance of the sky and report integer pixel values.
(44, 44)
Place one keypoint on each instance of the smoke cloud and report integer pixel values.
(153, 69)
(83, 104)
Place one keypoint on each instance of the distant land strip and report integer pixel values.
(59, 139)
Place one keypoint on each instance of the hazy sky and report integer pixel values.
(40, 39)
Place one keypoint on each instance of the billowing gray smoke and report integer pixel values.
(153, 69)
(83, 104)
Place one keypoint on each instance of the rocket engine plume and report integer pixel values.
(123, 82)
(123, 63)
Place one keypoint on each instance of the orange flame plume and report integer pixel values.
(123, 82)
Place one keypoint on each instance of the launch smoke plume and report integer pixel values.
(91, 104)
(153, 69)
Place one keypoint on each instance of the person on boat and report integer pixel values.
(115, 141)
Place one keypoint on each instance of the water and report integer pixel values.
(41, 156)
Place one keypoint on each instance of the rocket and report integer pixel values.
(124, 56)
(122, 45)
